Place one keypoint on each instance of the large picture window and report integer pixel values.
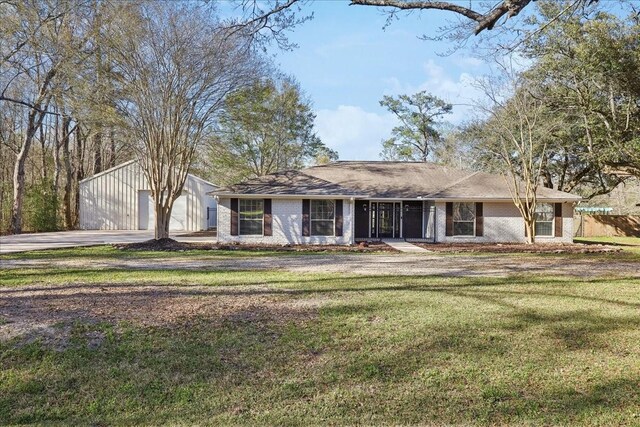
(323, 214)
(544, 219)
(251, 216)
(464, 217)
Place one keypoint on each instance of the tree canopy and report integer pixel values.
(85, 84)
(583, 74)
(265, 127)
(419, 133)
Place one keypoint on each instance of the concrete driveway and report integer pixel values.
(68, 239)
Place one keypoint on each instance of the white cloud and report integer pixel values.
(355, 133)
(459, 91)
(468, 62)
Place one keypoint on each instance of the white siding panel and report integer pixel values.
(109, 201)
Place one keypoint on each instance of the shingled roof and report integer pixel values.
(380, 179)
(296, 183)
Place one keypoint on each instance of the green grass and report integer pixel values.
(109, 252)
(629, 244)
(623, 241)
(61, 276)
(347, 350)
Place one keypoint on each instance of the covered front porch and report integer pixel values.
(411, 220)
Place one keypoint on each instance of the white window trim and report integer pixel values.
(473, 233)
(553, 223)
(333, 233)
(240, 233)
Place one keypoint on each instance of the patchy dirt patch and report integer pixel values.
(163, 245)
(173, 245)
(539, 248)
(46, 313)
(203, 233)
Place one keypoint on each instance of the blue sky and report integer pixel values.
(346, 62)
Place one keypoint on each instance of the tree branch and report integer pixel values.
(485, 21)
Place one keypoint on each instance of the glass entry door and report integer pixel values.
(385, 220)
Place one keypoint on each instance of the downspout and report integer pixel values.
(352, 213)
(217, 199)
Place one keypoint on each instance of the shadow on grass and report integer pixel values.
(612, 242)
(410, 350)
(251, 282)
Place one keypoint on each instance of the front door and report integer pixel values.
(361, 218)
(386, 215)
(412, 221)
(385, 220)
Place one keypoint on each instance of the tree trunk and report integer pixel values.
(56, 157)
(112, 148)
(80, 150)
(18, 172)
(68, 220)
(530, 229)
(163, 218)
(43, 154)
(97, 152)
(36, 115)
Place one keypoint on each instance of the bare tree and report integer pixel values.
(28, 55)
(516, 131)
(176, 64)
(63, 84)
(38, 42)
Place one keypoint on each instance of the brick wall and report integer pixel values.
(503, 223)
(286, 224)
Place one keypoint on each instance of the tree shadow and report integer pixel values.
(268, 346)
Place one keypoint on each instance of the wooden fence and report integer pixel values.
(607, 225)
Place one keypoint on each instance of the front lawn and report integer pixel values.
(631, 244)
(240, 251)
(253, 348)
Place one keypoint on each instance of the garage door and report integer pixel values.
(146, 213)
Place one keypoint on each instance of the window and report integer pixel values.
(251, 216)
(464, 219)
(322, 217)
(544, 219)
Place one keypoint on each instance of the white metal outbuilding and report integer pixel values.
(119, 199)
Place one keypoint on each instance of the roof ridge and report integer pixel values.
(454, 183)
(111, 169)
(263, 180)
(377, 161)
(324, 180)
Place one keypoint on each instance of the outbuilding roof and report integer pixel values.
(385, 180)
(134, 161)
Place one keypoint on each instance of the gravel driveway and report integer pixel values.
(494, 265)
(69, 239)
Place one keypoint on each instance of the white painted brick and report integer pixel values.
(503, 224)
(286, 225)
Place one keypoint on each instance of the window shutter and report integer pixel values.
(234, 217)
(558, 220)
(449, 220)
(479, 220)
(338, 213)
(306, 223)
(268, 230)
